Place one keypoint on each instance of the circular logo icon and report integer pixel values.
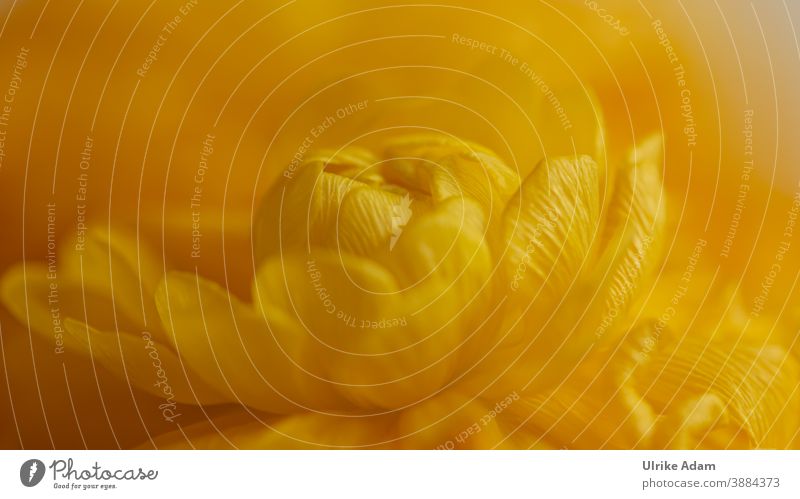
(31, 472)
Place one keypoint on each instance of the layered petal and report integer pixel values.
(577, 401)
(362, 330)
(549, 227)
(749, 387)
(700, 422)
(115, 265)
(35, 296)
(234, 350)
(367, 221)
(591, 410)
(446, 167)
(144, 363)
(633, 231)
(303, 208)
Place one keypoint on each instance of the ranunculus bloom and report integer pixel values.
(424, 295)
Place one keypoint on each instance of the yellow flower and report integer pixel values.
(426, 296)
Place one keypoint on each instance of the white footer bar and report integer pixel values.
(350, 474)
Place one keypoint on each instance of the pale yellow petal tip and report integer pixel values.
(651, 149)
(78, 329)
(24, 290)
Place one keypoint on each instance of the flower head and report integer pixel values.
(427, 296)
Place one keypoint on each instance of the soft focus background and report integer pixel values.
(256, 75)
